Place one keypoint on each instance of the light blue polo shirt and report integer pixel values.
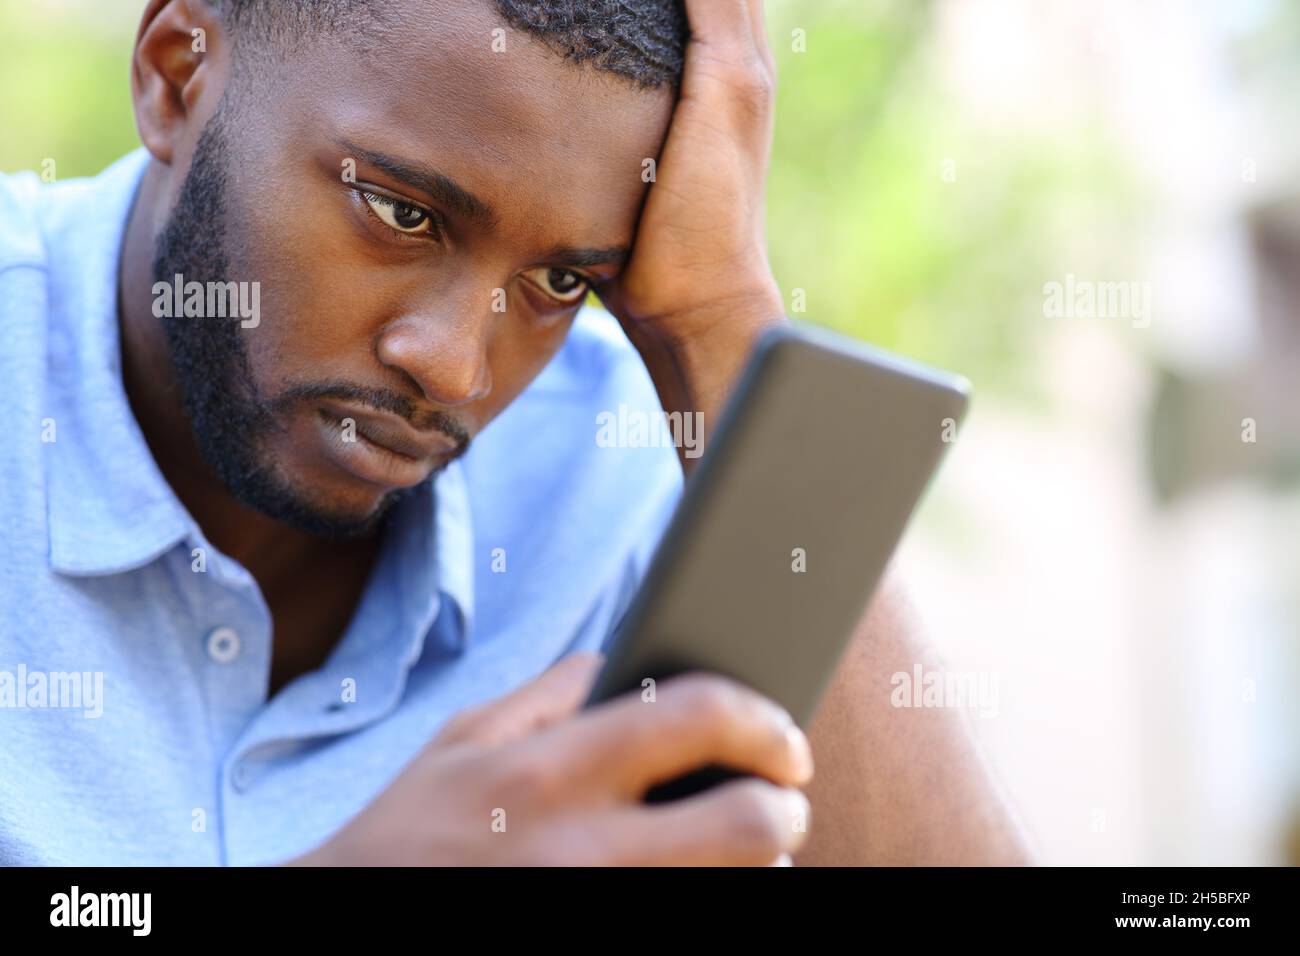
(135, 726)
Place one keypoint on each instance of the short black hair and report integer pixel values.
(643, 41)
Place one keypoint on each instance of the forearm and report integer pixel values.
(696, 375)
(900, 785)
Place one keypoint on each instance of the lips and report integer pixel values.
(386, 449)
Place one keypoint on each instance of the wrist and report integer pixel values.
(696, 373)
(711, 357)
(723, 323)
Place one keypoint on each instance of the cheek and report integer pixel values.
(310, 329)
(310, 312)
(517, 356)
(325, 295)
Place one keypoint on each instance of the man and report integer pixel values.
(256, 496)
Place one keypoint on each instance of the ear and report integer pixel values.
(178, 52)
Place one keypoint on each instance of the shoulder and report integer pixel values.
(24, 311)
(21, 240)
(55, 225)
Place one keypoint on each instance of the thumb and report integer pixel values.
(556, 694)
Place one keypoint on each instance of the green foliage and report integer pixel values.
(908, 221)
(65, 85)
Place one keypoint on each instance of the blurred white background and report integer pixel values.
(1145, 641)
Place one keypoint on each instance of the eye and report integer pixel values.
(401, 216)
(562, 285)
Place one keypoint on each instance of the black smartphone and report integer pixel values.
(787, 523)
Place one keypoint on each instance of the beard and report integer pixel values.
(232, 425)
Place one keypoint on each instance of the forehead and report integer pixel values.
(450, 85)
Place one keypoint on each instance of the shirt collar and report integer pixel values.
(430, 553)
(110, 509)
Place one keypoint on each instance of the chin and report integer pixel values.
(344, 509)
(334, 521)
(319, 501)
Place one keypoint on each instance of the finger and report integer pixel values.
(723, 26)
(629, 744)
(758, 25)
(742, 823)
(539, 704)
(724, 32)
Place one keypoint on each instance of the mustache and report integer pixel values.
(380, 399)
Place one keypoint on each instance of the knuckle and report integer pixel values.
(753, 830)
(579, 844)
(755, 86)
(724, 53)
(585, 852)
(584, 855)
(709, 700)
(490, 730)
(532, 777)
(745, 74)
(458, 727)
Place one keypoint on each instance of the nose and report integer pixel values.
(443, 348)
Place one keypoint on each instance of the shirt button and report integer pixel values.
(241, 777)
(223, 644)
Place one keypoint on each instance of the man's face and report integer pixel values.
(491, 189)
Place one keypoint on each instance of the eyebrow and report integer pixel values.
(569, 256)
(445, 190)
